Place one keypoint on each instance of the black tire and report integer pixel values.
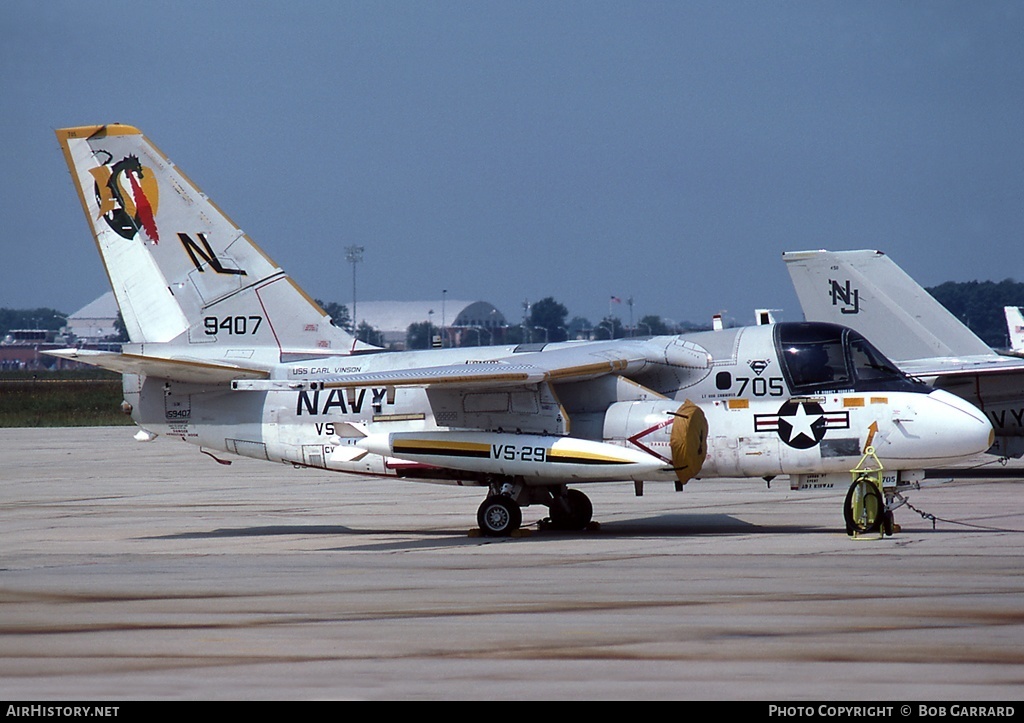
(863, 509)
(581, 512)
(888, 523)
(499, 516)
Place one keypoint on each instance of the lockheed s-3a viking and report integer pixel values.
(227, 353)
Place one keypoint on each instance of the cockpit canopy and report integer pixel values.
(820, 357)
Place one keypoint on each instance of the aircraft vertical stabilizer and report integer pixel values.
(181, 270)
(1015, 328)
(867, 291)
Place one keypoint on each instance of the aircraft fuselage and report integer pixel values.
(757, 424)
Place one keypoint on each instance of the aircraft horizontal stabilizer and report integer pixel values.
(178, 369)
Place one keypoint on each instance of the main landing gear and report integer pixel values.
(501, 514)
(570, 510)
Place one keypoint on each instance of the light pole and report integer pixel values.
(479, 338)
(354, 254)
(444, 298)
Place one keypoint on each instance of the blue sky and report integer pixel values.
(507, 151)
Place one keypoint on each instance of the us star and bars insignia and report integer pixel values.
(801, 424)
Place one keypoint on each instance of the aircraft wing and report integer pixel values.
(493, 375)
(514, 392)
(460, 375)
(570, 363)
(454, 376)
(963, 366)
(180, 369)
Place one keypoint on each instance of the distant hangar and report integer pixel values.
(465, 323)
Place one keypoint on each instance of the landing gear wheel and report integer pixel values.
(888, 523)
(864, 509)
(578, 515)
(499, 516)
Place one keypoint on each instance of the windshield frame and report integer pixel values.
(820, 357)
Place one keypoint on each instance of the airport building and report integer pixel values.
(22, 349)
(91, 327)
(453, 322)
(94, 323)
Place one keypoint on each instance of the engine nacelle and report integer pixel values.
(675, 433)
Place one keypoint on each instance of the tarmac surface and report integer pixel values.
(148, 571)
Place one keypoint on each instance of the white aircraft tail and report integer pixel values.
(867, 291)
(181, 270)
(1015, 328)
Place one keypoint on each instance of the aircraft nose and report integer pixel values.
(961, 428)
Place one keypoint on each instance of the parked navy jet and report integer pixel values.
(229, 354)
(867, 291)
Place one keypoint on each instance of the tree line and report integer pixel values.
(545, 321)
(42, 318)
(978, 304)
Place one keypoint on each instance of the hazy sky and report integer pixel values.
(508, 151)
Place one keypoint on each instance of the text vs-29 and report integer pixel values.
(512, 453)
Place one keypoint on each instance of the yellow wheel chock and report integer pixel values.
(866, 509)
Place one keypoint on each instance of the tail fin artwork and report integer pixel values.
(183, 273)
(1015, 329)
(867, 291)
